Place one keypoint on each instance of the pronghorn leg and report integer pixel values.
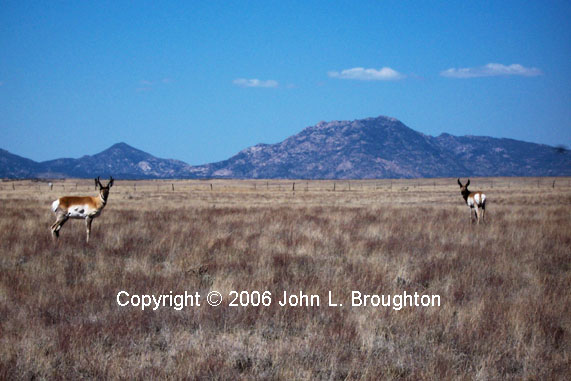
(477, 212)
(61, 219)
(483, 212)
(471, 218)
(88, 221)
(60, 223)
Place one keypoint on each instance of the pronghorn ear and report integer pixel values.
(110, 182)
(459, 183)
(468, 183)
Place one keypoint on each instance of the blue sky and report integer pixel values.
(200, 81)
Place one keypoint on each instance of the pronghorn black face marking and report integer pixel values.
(104, 190)
(86, 207)
(475, 200)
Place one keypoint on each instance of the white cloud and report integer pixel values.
(243, 82)
(362, 74)
(146, 85)
(491, 70)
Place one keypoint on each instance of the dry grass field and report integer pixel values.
(504, 286)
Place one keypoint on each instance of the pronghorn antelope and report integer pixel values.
(86, 207)
(475, 200)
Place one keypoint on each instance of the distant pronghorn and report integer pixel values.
(86, 207)
(475, 200)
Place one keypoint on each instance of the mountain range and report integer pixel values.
(381, 147)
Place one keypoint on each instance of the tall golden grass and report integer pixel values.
(504, 286)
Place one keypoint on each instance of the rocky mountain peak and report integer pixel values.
(379, 147)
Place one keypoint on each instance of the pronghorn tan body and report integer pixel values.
(84, 207)
(475, 200)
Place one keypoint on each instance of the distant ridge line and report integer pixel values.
(371, 148)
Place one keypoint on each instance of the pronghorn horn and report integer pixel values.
(468, 183)
(459, 183)
(110, 183)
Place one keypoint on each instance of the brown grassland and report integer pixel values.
(504, 286)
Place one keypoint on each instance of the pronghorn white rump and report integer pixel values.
(80, 207)
(475, 200)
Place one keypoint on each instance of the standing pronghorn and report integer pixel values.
(86, 207)
(475, 200)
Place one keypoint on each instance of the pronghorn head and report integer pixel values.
(464, 188)
(104, 190)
